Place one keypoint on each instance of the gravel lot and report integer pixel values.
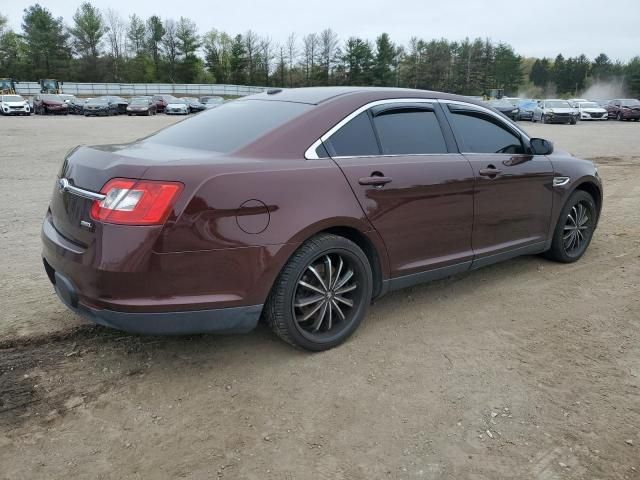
(527, 369)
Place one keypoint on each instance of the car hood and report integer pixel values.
(15, 104)
(174, 105)
(560, 110)
(594, 110)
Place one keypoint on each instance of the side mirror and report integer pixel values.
(540, 146)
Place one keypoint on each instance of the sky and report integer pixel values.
(533, 28)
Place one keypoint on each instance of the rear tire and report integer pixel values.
(321, 295)
(574, 229)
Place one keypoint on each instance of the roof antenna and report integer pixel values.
(273, 91)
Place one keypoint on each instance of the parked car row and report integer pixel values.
(566, 111)
(107, 105)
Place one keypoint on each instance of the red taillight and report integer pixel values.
(135, 202)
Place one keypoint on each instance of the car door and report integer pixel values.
(415, 190)
(513, 188)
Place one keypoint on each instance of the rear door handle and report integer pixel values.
(374, 180)
(490, 172)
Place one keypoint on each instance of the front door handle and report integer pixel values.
(491, 171)
(374, 180)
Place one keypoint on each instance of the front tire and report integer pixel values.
(321, 295)
(574, 229)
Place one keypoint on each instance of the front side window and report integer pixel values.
(409, 132)
(355, 139)
(478, 132)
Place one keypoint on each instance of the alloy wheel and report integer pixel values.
(326, 296)
(577, 229)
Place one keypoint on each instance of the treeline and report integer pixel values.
(101, 46)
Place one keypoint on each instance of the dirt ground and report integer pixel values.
(526, 369)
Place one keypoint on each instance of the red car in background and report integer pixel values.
(624, 109)
(161, 102)
(45, 103)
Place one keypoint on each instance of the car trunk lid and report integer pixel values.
(87, 169)
(83, 174)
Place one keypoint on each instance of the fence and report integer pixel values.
(129, 89)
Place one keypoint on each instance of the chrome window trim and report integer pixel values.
(65, 186)
(310, 153)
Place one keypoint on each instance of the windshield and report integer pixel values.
(589, 105)
(140, 101)
(12, 98)
(178, 101)
(230, 126)
(99, 100)
(630, 102)
(52, 97)
(214, 100)
(557, 104)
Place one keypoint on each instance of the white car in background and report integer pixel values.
(575, 101)
(67, 97)
(177, 106)
(14, 105)
(592, 111)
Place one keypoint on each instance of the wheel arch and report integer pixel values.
(367, 239)
(592, 189)
(369, 249)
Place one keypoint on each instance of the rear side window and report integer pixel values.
(478, 132)
(230, 126)
(355, 139)
(409, 132)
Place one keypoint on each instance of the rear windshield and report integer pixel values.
(229, 126)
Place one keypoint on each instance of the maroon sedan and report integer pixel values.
(624, 109)
(301, 206)
(45, 103)
(161, 102)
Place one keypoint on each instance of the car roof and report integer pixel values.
(318, 95)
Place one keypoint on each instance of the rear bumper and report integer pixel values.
(119, 281)
(220, 320)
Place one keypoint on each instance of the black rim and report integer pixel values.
(577, 229)
(327, 296)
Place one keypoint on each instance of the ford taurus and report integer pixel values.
(301, 206)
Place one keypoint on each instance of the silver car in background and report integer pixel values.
(555, 111)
